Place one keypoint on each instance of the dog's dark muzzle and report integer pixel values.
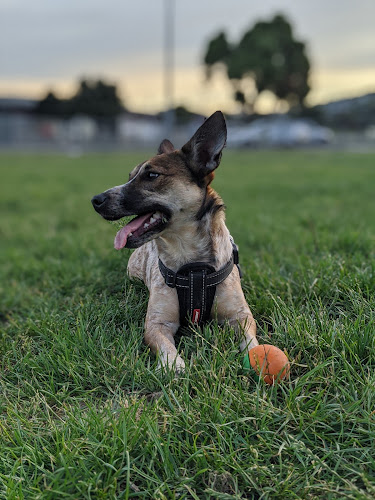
(99, 202)
(107, 206)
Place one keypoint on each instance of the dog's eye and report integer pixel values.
(152, 175)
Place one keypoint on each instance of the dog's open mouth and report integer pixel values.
(139, 230)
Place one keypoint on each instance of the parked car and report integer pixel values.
(279, 131)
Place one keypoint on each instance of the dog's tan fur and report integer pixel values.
(187, 238)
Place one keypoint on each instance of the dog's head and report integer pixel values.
(167, 190)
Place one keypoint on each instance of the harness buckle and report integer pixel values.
(236, 259)
(170, 279)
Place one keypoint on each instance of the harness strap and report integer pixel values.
(181, 280)
(196, 286)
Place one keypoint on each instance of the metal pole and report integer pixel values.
(169, 20)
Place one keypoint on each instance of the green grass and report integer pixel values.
(85, 414)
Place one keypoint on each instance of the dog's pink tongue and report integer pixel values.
(122, 235)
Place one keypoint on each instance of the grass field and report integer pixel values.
(85, 414)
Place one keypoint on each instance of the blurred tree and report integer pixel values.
(96, 99)
(93, 98)
(183, 115)
(266, 58)
(218, 51)
(49, 105)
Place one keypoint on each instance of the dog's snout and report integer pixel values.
(99, 200)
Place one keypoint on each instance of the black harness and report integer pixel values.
(196, 287)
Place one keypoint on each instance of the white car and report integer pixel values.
(279, 131)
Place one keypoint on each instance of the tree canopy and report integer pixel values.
(93, 98)
(267, 57)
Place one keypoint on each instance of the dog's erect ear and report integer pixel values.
(205, 147)
(165, 147)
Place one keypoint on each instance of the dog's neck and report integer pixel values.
(203, 237)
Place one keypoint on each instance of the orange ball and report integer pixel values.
(269, 362)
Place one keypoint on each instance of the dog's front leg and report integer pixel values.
(245, 325)
(231, 307)
(162, 322)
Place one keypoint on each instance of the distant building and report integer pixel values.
(17, 105)
(354, 113)
(16, 120)
(139, 128)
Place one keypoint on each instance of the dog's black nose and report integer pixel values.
(99, 200)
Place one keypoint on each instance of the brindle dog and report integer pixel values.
(180, 219)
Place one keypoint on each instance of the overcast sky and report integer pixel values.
(52, 43)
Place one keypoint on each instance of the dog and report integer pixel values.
(180, 220)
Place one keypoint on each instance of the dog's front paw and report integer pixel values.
(179, 365)
(172, 363)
